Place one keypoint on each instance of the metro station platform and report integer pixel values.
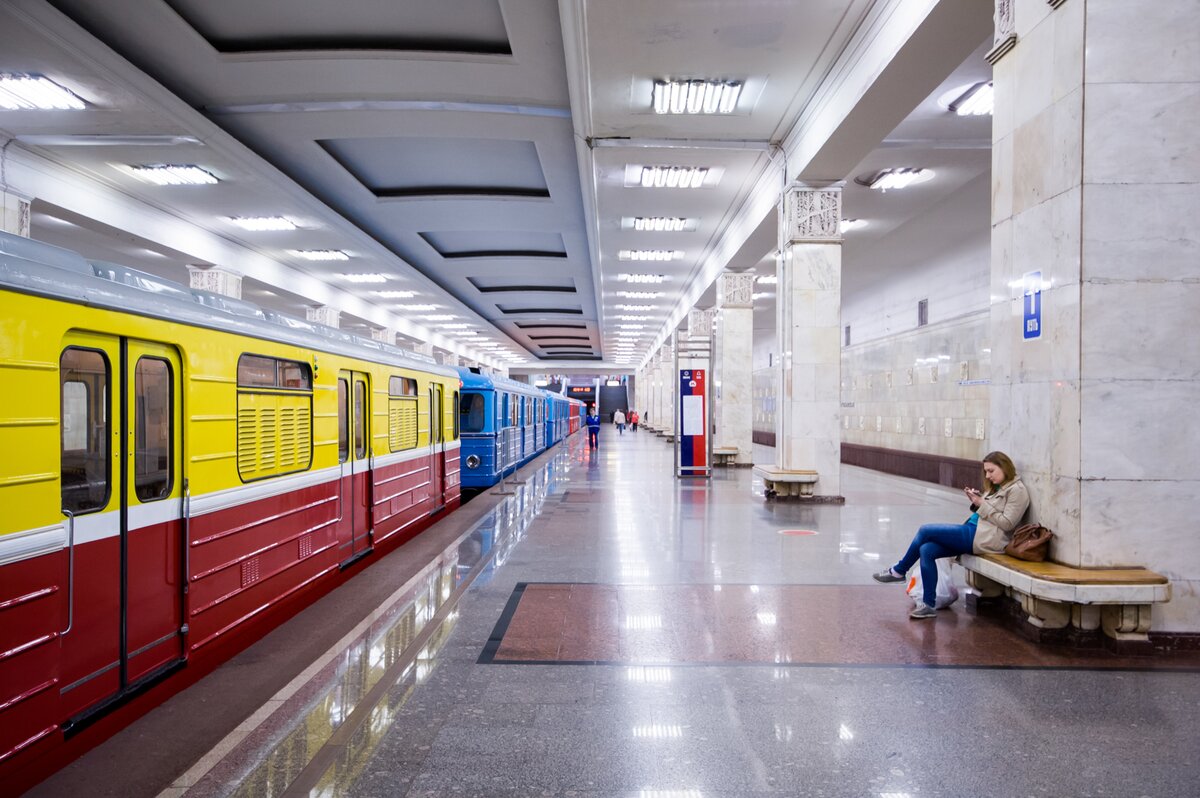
(608, 630)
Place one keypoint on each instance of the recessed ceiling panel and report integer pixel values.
(421, 167)
(495, 285)
(456, 26)
(559, 326)
(496, 244)
(511, 310)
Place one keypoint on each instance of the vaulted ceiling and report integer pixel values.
(482, 159)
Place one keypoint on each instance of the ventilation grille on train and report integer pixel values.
(274, 434)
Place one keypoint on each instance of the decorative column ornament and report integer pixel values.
(384, 334)
(215, 280)
(448, 359)
(812, 215)
(700, 323)
(323, 314)
(735, 290)
(1006, 29)
(14, 212)
(423, 348)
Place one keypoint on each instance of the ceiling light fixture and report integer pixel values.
(259, 223)
(36, 93)
(761, 295)
(767, 279)
(633, 318)
(632, 326)
(637, 307)
(656, 255)
(695, 96)
(364, 278)
(640, 294)
(173, 175)
(673, 176)
(889, 179)
(321, 254)
(643, 278)
(454, 326)
(979, 100)
(398, 295)
(416, 308)
(659, 224)
(852, 224)
(441, 317)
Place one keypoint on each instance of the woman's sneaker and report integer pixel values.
(887, 576)
(923, 610)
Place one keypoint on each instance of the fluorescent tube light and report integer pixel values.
(890, 179)
(398, 295)
(695, 96)
(979, 100)
(36, 93)
(364, 278)
(852, 224)
(640, 294)
(174, 175)
(657, 255)
(673, 176)
(643, 278)
(417, 308)
(767, 279)
(659, 224)
(259, 223)
(320, 254)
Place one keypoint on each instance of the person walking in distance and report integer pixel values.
(619, 420)
(593, 425)
(633, 420)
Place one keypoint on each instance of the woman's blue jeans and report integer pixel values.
(932, 543)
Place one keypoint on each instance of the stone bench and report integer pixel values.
(724, 455)
(779, 482)
(1057, 596)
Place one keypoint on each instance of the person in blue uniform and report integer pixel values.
(593, 425)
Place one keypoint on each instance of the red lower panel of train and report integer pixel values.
(251, 566)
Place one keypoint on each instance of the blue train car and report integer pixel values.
(503, 424)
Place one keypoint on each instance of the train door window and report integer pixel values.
(471, 412)
(343, 420)
(456, 400)
(152, 477)
(86, 464)
(360, 419)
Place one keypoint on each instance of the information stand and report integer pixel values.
(693, 427)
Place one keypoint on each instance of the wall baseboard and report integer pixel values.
(954, 472)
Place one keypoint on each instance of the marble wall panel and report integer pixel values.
(1142, 133)
(1116, 531)
(1046, 238)
(1002, 169)
(1068, 49)
(1033, 61)
(1003, 99)
(1132, 331)
(1136, 231)
(1180, 613)
(1165, 49)
(1028, 15)
(1126, 431)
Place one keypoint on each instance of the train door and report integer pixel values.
(122, 492)
(437, 447)
(354, 459)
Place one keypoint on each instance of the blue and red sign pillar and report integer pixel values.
(692, 423)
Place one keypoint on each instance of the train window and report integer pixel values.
(255, 371)
(456, 416)
(402, 386)
(471, 412)
(83, 382)
(360, 419)
(153, 422)
(343, 421)
(513, 420)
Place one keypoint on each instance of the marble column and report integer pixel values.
(733, 367)
(14, 213)
(1096, 193)
(666, 394)
(807, 430)
(323, 314)
(215, 280)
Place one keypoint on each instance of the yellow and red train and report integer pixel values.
(180, 471)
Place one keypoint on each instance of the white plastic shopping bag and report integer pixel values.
(947, 591)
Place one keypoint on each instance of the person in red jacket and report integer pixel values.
(633, 420)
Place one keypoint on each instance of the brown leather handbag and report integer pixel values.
(1029, 542)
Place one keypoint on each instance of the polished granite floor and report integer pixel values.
(611, 631)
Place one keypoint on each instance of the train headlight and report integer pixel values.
(472, 461)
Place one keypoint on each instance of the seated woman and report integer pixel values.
(996, 513)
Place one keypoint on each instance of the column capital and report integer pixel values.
(812, 215)
(735, 290)
(14, 212)
(1005, 37)
(385, 334)
(423, 348)
(215, 280)
(700, 323)
(323, 314)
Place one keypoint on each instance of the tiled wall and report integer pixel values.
(921, 391)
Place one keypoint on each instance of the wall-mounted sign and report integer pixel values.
(1033, 306)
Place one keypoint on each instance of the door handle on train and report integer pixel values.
(70, 571)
